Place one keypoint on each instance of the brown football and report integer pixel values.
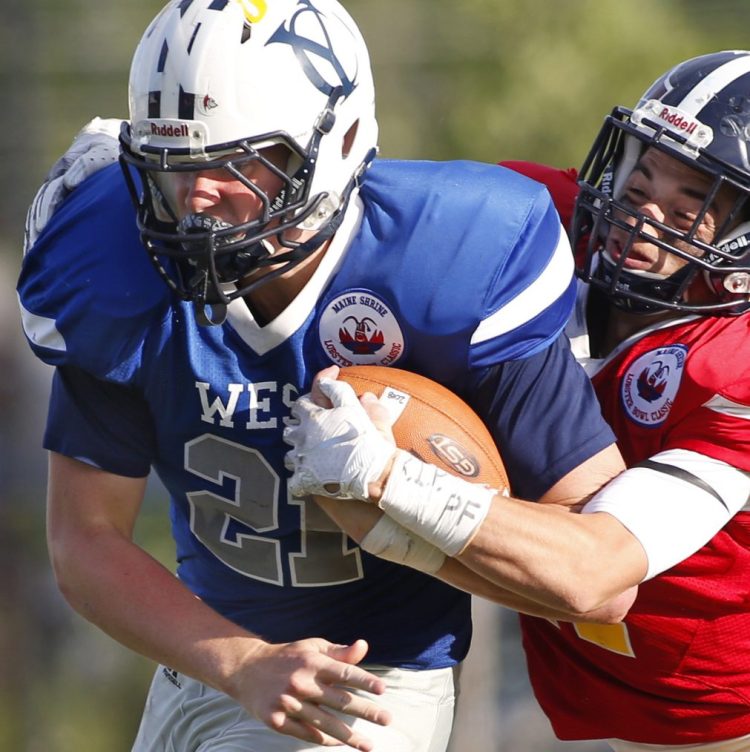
(433, 423)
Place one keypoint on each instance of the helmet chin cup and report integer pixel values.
(211, 263)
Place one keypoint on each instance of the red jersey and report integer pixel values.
(677, 670)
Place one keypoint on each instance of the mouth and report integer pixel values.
(207, 230)
(635, 259)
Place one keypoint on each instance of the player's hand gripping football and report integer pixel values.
(341, 448)
(95, 146)
(337, 450)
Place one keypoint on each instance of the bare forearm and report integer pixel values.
(133, 598)
(544, 552)
(128, 594)
(357, 519)
(139, 603)
(566, 561)
(455, 573)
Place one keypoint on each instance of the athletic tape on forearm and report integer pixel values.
(389, 540)
(443, 509)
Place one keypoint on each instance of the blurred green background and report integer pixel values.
(478, 79)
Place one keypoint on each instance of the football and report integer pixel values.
(433, 423)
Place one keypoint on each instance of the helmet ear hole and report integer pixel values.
(348, 141)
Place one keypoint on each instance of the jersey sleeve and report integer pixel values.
(87, 290)
(544, 416)
(102, 424)
(702, 493)
(532, 294)
(471, 258)
(561, 184)
(563, 188)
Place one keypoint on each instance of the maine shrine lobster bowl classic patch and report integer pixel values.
(650, 384)
(358, 327)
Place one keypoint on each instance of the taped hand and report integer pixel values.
(338, 451)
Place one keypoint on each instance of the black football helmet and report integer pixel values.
(699, 113)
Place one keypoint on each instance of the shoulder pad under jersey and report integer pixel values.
(480, 256)
(87, 289)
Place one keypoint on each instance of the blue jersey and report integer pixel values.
(459, 271)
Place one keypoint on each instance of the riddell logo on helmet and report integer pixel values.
(678, 121)
(170, 131)
(734, 245)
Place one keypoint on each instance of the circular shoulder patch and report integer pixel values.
(650, 384)
(358, 327)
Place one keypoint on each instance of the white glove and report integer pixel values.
(95, 146)
(338, 451)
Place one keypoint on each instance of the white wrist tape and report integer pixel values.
(441, 508)
(389, 540)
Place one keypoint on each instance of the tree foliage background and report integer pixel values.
(477, 79)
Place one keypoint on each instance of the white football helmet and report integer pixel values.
(215, 82)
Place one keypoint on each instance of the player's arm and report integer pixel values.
(381, 536)
(644, 521)
(529, 559)
(115, 584)
(634, 525)
(111, 581)
(563, 560)
(548, 552)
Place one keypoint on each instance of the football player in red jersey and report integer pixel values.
(662, 326)
(660, 224)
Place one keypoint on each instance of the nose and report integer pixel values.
(623, 234)
(652, 210)
(201, 191)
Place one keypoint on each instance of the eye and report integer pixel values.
(683, 219)
(635, 196)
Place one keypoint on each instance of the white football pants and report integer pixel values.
(183, 714)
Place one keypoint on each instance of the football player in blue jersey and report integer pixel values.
(277, 244)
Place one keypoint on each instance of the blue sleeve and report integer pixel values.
(544, 415)
(88, 292)
(471, 259)
(103, 424)
(532, 293)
